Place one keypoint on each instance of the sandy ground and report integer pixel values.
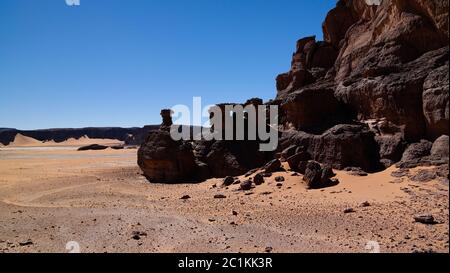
(51, 196)
(24, 141)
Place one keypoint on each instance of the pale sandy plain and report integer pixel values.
(99, 199)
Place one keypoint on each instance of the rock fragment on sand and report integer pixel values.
(227, 181)
(349, 210)
(185, 197)
(246, 185)
(219, 196)
(426, 219)
(137, 235)
(258, 179)
(26, 243)
(279, 179)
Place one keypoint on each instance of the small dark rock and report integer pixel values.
(227, 181)
(279, 179)
(349, 210)
(268, 249)
(426, 219)
(26, 243)
(258, 179)
(219, 196)
(185, 197)
(246, 185)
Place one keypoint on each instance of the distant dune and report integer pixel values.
(24, 141)
(131, 136)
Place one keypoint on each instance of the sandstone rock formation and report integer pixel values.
(374, 93)
(381, 84)
(165, 160)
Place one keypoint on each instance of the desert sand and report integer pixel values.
(24, 141)
(99, 199)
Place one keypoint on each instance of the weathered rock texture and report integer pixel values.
(377, 83)
(372, 94)
(165, 160)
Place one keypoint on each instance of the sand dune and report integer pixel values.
(24, 141)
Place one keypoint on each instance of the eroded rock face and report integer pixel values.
(341, 146)
(230, 158)
(372, 94)
(391, 69)
(164, 160)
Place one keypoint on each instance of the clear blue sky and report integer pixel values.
(118, 62)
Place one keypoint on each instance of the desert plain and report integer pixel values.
(53, 195)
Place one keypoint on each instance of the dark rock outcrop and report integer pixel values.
(391, 73)
(317, 177)
(341, 146)
(163, 159)
(373, 94)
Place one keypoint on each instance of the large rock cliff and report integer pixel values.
(373, 92)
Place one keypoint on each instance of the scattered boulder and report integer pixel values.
(313, 175)
(26, 243)
(349, 210)
(279, 179)
(246, 185)
(317, 177)
(185, 197)
(137, 235)
(228, 181)
(426, 219)
(258, 179)
(219, 196)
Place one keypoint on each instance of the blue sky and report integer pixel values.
(118, 62)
